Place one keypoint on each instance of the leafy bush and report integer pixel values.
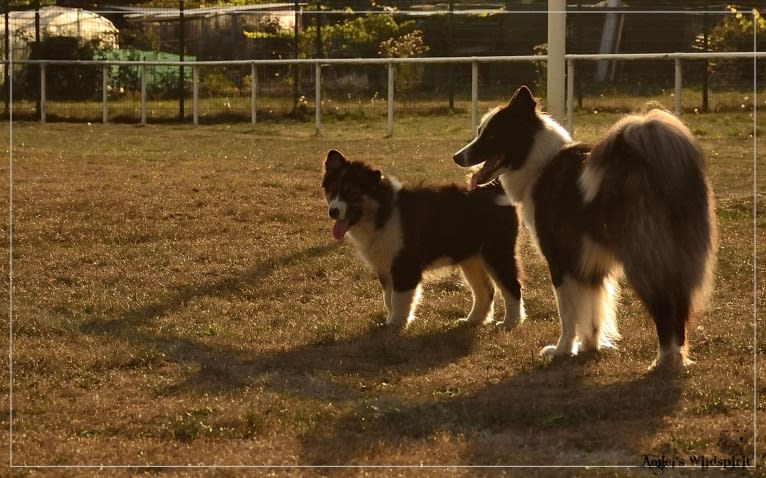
(368, 36)
(64, 81)
(541, 67)
(409, 45)
(125, 77)
(357, 37)
(217, 84)
(267, 28)
(734, 33)
(161, 80)
(165, 84)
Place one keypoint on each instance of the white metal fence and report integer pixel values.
(571, 60)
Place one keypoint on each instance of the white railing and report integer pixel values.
(571, 59)
(678, 76)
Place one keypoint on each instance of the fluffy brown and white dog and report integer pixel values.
(637, 203)
(404, 231)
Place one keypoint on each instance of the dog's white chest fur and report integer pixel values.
(378, 247)
(519, 184)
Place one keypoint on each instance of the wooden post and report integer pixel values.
(474, 98)
(318, 98)
(678, 81)
(142, 70)
(390, 127)
(42, 92)
(104, 92)
(195, 95)
(253, 92)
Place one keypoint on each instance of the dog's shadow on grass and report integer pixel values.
(376, 351)
(509, 420)
(356, 370)
(335, 370)
(221, 368)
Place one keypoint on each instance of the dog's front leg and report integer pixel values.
(570, 304)
(405, 290)
(402, 307)
(388, 289)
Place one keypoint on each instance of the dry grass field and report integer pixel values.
(179, 300)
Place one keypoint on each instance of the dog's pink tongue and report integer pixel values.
(339, 229)
(474, 181)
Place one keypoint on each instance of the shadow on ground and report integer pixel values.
(500, 421)
(222, 368)
(542, 417)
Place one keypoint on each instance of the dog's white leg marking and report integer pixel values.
(514, 308)
(387, 293)
(388, 289)
(590, 316)
(599, 328)
(514, 311)
(481, 288)
(571, 306)
(403, 305)
(671, 358)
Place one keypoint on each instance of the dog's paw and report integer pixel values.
(556, 351)
(548, 351)
(670, 365)
(508, 324)
(396, 324)
(471, 322)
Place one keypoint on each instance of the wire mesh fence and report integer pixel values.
(144, 80)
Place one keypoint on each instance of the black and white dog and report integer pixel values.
(637, 203)
(403, 231)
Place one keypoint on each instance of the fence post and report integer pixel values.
(42, 92)
(318, 97)
(253, 91)
(556, 87)
(195, 95)
(474, 97)
(296, 42)
(7, 55)
(142, 70)
(181, 50)
(390, 125)
(36, 4)
(104, 92)
(570, 96)
(450, 50)
(679, 81)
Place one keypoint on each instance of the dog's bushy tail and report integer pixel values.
(648, 174)
(660, 140)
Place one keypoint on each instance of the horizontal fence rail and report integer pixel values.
(391, 63)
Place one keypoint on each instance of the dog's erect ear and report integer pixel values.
(334, 160)
(370, 177)
(523, 99)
